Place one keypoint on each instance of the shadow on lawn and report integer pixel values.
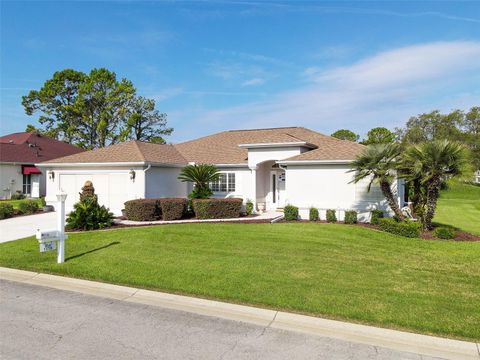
(93, 250)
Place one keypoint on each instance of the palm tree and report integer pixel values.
(200, 175)
(378, 162)
(431, 163)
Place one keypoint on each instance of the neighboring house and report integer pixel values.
(19, 152)
(476, 177)
(271, 167)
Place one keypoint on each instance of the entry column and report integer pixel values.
(253, 187)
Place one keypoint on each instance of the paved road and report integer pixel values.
(43, 323)
(23, 226)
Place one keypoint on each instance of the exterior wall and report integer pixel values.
(112, 185)
(243, 183)
(9, 172)
(259, 155)
(163, 182)
(328, 187)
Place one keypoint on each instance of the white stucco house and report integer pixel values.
(19, 152)
(271, 167)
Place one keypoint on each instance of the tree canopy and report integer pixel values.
(94, 110)
(379, 135)
(345, 134)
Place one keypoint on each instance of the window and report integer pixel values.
(27, 184)
(225, 183)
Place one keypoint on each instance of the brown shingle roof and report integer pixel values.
(130, 151)
(32, 148)
(222, 148)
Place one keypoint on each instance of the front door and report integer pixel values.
(276, 195)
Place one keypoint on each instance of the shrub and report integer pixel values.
(43, 203)
(17, 196)
(249, 207)
(350, 217)
(291, 213)
(444, 232)
(173, 208)
(200, 193)
(28, 206)
(6, 211)
(375, 216)
(143, 210)
(331, 216)
(405, 228)
(313, 214)
(217, 208)
(89, 215)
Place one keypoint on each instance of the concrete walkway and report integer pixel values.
(270, 320)
(23, 226)
(266, 216)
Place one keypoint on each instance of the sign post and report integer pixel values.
(55, 239)
(61, 196)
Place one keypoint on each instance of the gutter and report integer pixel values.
(112, 164)
(313, 162)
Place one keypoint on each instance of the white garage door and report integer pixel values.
(111, 189)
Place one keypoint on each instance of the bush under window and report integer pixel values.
(28, 207)
(6, 211)
(217, 208)
(351, 217)
(249, 207)
(375, 216)
(444, 232)
(17, 196)
(407, 228)
(331, 216)
(313, 214)
(291, 213)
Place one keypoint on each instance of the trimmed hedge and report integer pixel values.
(331, 216)
(28, 206)
(351, 217)
(143, 210)
(443, 232)
(409, 229)
(173, 208)
(291, 213)
(375, 216)
(6, 211)
(217, 208)
(313, 214)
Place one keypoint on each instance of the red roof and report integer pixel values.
(31, 148)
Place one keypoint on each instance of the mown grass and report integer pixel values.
(331, 270)
(16, 203)
(459, 206)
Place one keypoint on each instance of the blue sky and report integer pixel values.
(217, 65)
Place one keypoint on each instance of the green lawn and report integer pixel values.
(330, 270)
(15, 203)
(459, 206)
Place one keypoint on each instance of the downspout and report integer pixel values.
(145, 180)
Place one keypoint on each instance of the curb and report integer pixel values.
(393, 339)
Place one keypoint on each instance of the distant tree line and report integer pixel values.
(94, 110)
(459, 126)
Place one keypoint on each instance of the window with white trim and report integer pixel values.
(225, 183)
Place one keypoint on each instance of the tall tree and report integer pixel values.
(471, 131)
(431, 163)
(379, 135)
(345, 134)
(145, 123)
(55, 101)
(94, 110)
(378, 163)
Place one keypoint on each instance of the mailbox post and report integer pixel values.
(61, 196)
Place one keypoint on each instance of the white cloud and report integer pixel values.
(384, 89)
(253, 82)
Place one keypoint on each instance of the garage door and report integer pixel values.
(111, 189)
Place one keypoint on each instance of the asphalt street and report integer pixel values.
(44, 323)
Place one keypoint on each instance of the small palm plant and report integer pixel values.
(431, 163)
(378, 162)
(200, 175)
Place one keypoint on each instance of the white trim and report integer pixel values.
(313, 162)
(60, 165)
(282, 144)
(245, 165)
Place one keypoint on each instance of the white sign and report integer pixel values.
(48, 235)
(48, 246)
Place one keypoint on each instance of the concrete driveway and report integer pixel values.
(23, 226)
